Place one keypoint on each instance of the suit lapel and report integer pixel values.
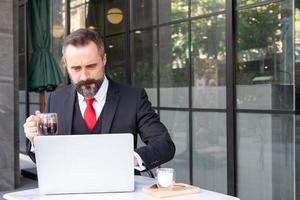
(111, 104)
(69, 110)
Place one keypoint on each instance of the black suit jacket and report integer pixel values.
(126, 110)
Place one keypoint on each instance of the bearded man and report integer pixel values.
(115, 108)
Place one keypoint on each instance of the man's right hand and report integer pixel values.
(31, 126)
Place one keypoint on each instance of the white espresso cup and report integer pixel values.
(165, 178)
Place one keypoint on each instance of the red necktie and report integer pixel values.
(89, 114)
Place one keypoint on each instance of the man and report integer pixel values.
(94, 104)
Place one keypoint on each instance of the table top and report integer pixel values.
(140, 182)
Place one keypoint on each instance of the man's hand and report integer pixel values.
(31, 126)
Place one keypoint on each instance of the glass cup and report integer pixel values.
(165, 178)
(48, 124)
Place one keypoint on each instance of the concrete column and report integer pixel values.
(9, 139)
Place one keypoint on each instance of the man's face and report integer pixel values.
(85, 67)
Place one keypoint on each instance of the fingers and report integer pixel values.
(31, 126)
(31, 133)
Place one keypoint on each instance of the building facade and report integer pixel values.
(223, 75)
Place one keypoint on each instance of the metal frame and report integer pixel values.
(24, 3)
(231, 99)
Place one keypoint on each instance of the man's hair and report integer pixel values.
(82, 37)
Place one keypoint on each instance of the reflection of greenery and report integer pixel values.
(297, 31)
(262, 35)
(174, 56)
(246, 2)
(179, 9)
(208, 47)
(200, 7)
(258, 27)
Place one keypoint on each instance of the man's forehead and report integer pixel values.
(88, 47)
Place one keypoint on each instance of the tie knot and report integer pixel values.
(89, 101)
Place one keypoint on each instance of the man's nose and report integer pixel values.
(84, 74)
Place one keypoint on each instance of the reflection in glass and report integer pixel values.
(115, 15)
(265, 74)
(177, 123)
(115, 51)
(174, 62)
(200, 7)
(297, 33)
(208, 62)
(170, 10)
(95, 16)
(209, 151)
(297, 55)
(265, 156)
(144, 61)
(77, 15)
(34, 98)
(22, 119)
(58, 28)
(142, 13)
(246, 2)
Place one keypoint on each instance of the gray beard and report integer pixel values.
(88, 92)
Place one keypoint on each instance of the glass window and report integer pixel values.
(174, 63)
(22, 119)
(95, 16)
(209, 151)
(200, 7)
(142, 13)
(144, 61)
(115, 16)
(265, 156)
(177, 123)
(265, 74)
(115, 50)
(208, 62)
(58, 28)
(77, 14)
(34, 97)
(170, 10)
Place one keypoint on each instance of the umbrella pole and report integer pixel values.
(43, 102)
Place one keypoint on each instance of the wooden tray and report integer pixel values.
(178, 189)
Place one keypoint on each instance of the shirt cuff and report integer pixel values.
(140, 166)
(32, 148)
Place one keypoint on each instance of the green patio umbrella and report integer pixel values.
(43, 72)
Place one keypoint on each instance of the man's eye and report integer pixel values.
(91, 66)
(77, 68)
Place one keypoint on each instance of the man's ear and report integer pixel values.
(104, 59)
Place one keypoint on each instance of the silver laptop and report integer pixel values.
(84, 163)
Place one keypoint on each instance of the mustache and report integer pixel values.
(87, 82)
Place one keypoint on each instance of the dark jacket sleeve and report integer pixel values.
(159, 145)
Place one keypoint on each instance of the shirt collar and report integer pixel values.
(101, 94)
